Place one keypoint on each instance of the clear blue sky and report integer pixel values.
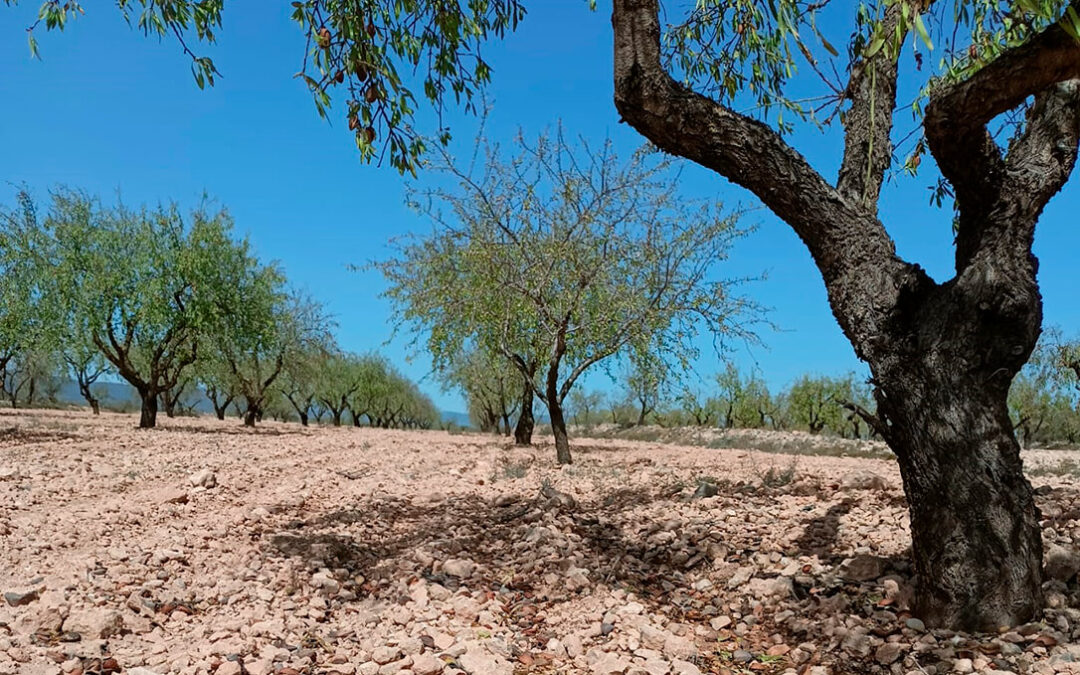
(108, 110)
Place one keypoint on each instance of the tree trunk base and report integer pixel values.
(976, 539)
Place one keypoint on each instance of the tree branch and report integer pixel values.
(741, 149)
(957, 114)
(869, 122)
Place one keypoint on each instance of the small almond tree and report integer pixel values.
(560, 257)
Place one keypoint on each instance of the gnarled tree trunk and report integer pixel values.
(976, 541)
(942, 355)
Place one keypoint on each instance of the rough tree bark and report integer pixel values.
(942, 355)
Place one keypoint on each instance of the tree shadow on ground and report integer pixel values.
(12, 436)
(820, 533)
(528, 550)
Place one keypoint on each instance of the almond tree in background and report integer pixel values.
(560, 257)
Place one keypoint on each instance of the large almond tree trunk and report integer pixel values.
(976, 541)
(942, 355)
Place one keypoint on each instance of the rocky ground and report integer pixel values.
(204, 547)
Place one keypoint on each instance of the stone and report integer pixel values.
(259, 667)
(427, 664)
(457, 567)
(95, 623)
(384, 654)
(676, 647)
(478, 662)
(573, 645)
(609, 664)
(652, 637)
(1061, 563)
(720, 622)
(742, 656)
(174, 496)
(20, 598)
(963, 666)
(704, 490)
(915, 624)
(888, 653)
(228, 668)
(863, 567)
(205, 478)
(861, 479)
(680, 667)
(141, 671)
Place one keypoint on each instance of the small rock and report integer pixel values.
(1061, 563)
(963, 666)
(679, 667)
(205, 478)
(174, 496)
(915, 624)
(742, 656)
(228, 668)
(17, 598)
(478, 662)
(862, 479)
(704, 490)
(459, 568)
(95, 624)
(888, 653)
(863, 568)
(426, 664)
(609, 664)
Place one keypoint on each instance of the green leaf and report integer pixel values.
(920, 28)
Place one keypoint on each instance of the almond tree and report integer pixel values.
(491, 386)
(141, 284)
(561, 257)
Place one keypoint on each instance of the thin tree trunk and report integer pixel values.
(251, 415)
(303, 418)
(91, 400)
(148, 414)
(555, 411)
(523, 431)
(558, 429)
